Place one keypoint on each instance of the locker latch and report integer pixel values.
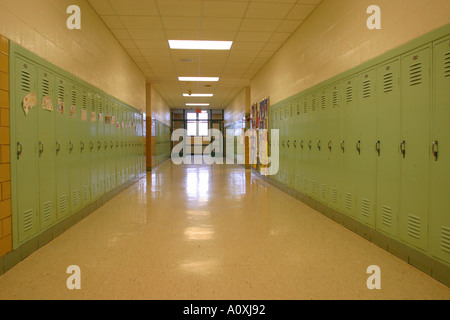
(58, 147)
(342, 146)
(329, 145)
(19, 150)
(403, 148)
(358, 146)
(378, 147)
(435, 150)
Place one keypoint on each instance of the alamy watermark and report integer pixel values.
(214, 152)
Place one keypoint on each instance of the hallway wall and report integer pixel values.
(335, 38)
(92, 53)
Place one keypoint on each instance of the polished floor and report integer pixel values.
(212, 232)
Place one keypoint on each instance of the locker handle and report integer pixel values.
(121, 144)
(82, 146)
(329, 145)
(99, 145)
(282, 143)
(342, 146)
(435, 150)
(378, 147)
(19, 150)
(41, 148)
(71, 146)
(310, 144)
(58, 147)
(358, 146)
(111, 145)
(318, 145)
(295, 144)
(92, 145)
(106, 145)
(301, 144)
(117, 144)
(403, 148)
(288, 143)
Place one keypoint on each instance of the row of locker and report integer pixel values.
(162, 143)
(376, 146)
(70, 146)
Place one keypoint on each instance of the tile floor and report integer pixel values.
(212, 232)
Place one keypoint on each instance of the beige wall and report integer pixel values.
(238, 107)
(160, 110)
(335, 38)
(92, 53)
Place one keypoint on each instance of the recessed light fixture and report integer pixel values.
(207, 79)
(198, 95)
(197, 104)
(200, 45)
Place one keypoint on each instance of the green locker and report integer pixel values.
(303, 144)
(113, 146)
(314, 134)
(334, 154)
(323, 127)
(25, 144)
(415, 147)
(121, 146)
(277, 143)
(46, 149)
(85, 156)
(296, 144)
(93, 146)
(387, 148)
(62, 147)
(284, 143)
(290, 150)
(440, 155)
(101, 146)
(75, 147)
(345, 146)
(107, 145)
(365, 148)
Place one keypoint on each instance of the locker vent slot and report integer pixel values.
(94, 189)
(313, 186)
(45, 87)
(297, 181)
(28, 220)
(313, 105)
(100, 106)
(47, 211)
(74, 98)
(415, 74)
(366, 89)
(61, 93)
(447, 64)
(386, 216)
(84, 101)
(62, 203)
(388, 83)
(365, 207)
(305, 107)
(85, 193)
(445, 239)
(349, 201)
(25, 81)
(323, 102)
(323, 191)
(335, 99)
(102, 186)
(414, 226)
(334, 195)
(75, 198)
(349, 94)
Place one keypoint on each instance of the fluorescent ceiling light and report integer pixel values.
(207, 79)
(198, 95)
(197, 104)
(200, 45)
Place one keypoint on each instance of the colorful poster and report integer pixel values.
(107, 119)
(83, 115)
(93, 116)
(73, 111)
(60, 106)
(113, 120)
(29, 102)
(47, 103)
(100, 117)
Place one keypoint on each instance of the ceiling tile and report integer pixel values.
(144, 22)
(220, 9)
(176, 8)
(113, 22)
(134, 7)
(300, 12)
(182, 23)
(102, 7)
(263, 10)
(268, 25)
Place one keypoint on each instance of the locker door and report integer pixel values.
(25, 163)
(388, 156)
(277, 144)
(112, 146)
(345, 148)
(303, 143)
(440, 161)
(334, 154)
(101, 146)
(314, 133)
(46, 149)
(290, 150)
(296, 144)
(85, 156)
(107, 140)
(321, 145)
(415, 159)
(285, 133)
(74, 148)
(62, 138)
(365, 148)
(93, 149)
(120, 148)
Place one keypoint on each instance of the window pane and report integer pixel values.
(191, 129)
(203, 129)
(203, 115)
(191, 116)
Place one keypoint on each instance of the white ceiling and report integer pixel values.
(257, 27)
